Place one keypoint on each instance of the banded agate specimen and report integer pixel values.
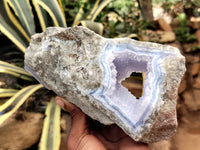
(87, 70)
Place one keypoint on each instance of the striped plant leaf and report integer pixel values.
(131, 36)
(93, 9)
(61, 6)
(92, 16)
(94, 26)
(16, 75)
(80, 13)
(54, 10)
(50, 139)
(143, 79)
(5, 65)
(7, 92)
(14, 20)
(23, 10)
(14, 70)
(8, 29)
(16, 101)
(42, 15)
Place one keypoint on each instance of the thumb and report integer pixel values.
(79, 126)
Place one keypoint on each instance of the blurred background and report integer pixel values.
(27, 110)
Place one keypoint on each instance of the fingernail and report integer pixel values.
(60, 103)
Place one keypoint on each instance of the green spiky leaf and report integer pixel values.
(7, 92)
(14, 70)
(9, 29)
(94, 26)
(50, 139)
(79, 14)
(17, 100)
(14, 20)
(92, 16)
(23, 11)
(54, 10)
(42, 15)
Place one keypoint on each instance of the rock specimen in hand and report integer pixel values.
(87, 70)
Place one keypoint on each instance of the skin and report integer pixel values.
(86, 134)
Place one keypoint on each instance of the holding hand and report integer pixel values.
(85, 134)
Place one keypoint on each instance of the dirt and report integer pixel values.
(188, 109)
(188, 134)
(21, 131)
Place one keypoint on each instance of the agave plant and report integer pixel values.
(18, 23)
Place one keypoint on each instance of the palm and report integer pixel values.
(113, 138)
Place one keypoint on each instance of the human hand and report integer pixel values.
(86, 134)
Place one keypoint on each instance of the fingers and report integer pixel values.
(112, 133)
(79, 126)
(67, 106)
(78, 117)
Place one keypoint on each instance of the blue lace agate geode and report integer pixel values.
(87, 70)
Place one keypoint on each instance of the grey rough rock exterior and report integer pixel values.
(87, 70)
